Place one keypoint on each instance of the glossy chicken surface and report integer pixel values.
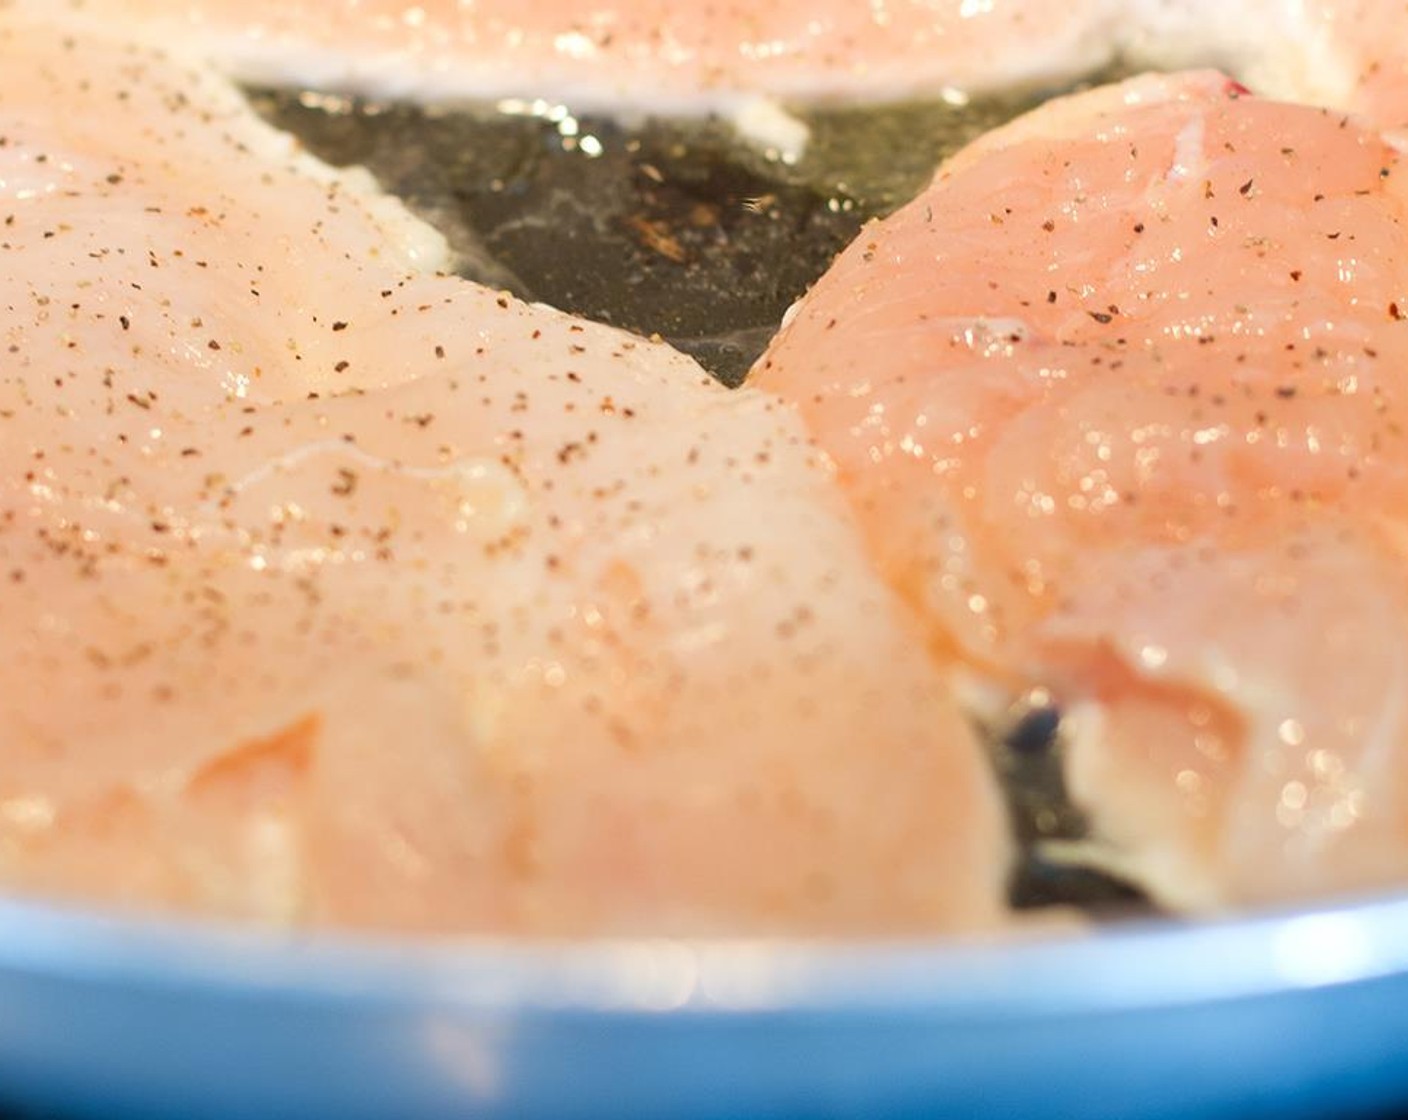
(1120, 401)
(336, 591)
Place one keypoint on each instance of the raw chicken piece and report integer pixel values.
(338, 592)
(657, 56)
(665, 57)
(1344, 54)
(1121, 401)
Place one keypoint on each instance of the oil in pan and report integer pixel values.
(669, 228)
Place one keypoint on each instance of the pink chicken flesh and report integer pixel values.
(660, 56)
(336, 591)
(1121, 403)
(638, 55)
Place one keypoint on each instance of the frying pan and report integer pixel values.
(1289, 1013)
(1283, 1014)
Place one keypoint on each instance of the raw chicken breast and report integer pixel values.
(1121, 402)
(662, 57)
(335, 591)
(655, 56)
(1345, 54)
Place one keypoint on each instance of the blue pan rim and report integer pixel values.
(1142, 966)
